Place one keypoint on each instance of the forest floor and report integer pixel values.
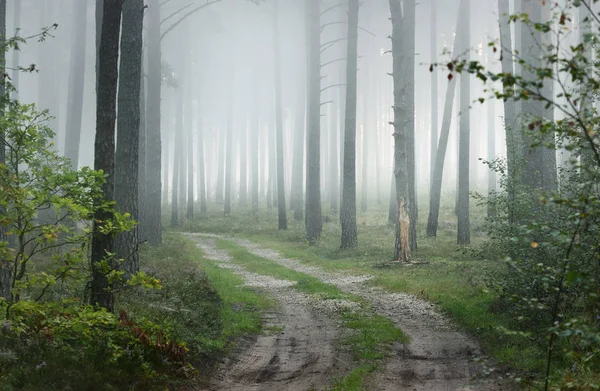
(336, 330)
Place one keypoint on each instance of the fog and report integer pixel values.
(218, 72)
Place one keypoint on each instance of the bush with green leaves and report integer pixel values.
(550, 234)
(67, 345)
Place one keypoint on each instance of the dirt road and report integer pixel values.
(301, 353)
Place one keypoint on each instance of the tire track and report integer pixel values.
(299, 357)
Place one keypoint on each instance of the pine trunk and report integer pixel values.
(314, 223)
(462, 210)
(104, 152)
(128, 129)
(440, 156)
(281, 208)
(76, 83)
(153, 141)
(348, 207)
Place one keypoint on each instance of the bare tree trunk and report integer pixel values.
(254, 157)
(410, 17)
(366, 133)
(104, 154)
(166, 150)
(298, 164)
(190, 148)
(229, 158)
(5, 284)
(153, 141)
(491, 144)
(281, 208)
(434, 92)
(128, 129)
(202, 182)
(243, 165)
(402, 223)
(142, 158)
(314, 221)
(16, 72)
(334, 159)
(438, 169)
(177, 160)
(462, 210)
(348, 208)
(76, 83)
(221, 168)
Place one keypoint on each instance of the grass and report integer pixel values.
(205, 305)
(371, 335)
(449, 275)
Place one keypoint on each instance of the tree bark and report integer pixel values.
(202, 183)
(76, 83)
(254, 157)
(128, 129)
(401, 169)
(190, 149)
(314, 223)
(243, 143)
(177, 158)
(5, 291)
(281, 208)
(298, 164)
(438, 169)
(410, 26)
(348, 207)
(153, 141)
(142, 158)
(462, 210)
(491, 144)
(16, 73)
(104, 154)
(229, 158)
(434, 92)
(221, 168)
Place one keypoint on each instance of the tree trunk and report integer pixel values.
(142, 235)
(348, 207)
(104, 154)
(298, 164)
(4, 263)
(367, 128)
(434, 92)
(410, 17)
(221, 168)
(229, 158)
(128, 129)
(153, 142)
(16, 72)
(243, 165)
(190, 150)
(334, 159)
(76, 83)
(440, 156)
(177, 159)
(202, 183)
(314, 223)
(168, 130)
(462, 210)
(491, 144)
(281, 208)
(402, 244)
(254, 157)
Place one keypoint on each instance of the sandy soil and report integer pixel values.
(438, 357)
(297, 354)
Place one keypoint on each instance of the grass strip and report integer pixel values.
(371, 336)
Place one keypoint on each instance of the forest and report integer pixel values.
(299, 195)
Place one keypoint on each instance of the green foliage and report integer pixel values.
(552, 281)
(67, 345)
